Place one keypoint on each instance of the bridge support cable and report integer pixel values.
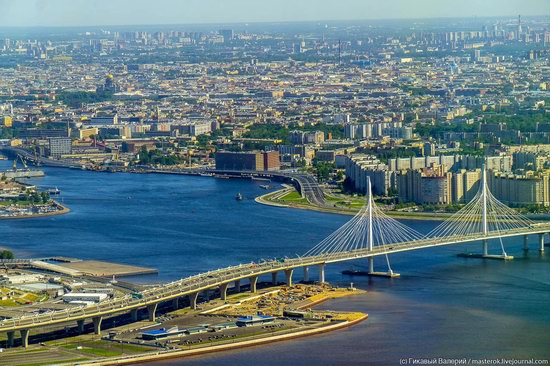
(390, 271)
(483, 216)
(370, 230)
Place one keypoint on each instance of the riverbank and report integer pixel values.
(275, 199)
(264, 199)
(274, 303)
(125, 344)
(164, 355)
(270, 200)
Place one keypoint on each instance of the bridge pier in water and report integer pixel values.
(371, 264)
(388, 274)
(502, 256)
(306, 274)
(134, 315)
(176, 303)
(485, 252)
(322, 273)
(541, 243)
(274, 278)
(237, 286)
(525, 242)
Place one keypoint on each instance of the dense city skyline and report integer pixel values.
(24, 13)
(180, 178)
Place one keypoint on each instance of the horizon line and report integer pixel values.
(272, 21)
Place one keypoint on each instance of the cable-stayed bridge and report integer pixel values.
(371, 232)
(368, 234)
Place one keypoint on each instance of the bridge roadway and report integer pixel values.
(221, 278)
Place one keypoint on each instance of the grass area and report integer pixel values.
(106, 348)
(271, 195)
(8, 302)
(347, 316)
(98, 352)
(349, 205)
(55, 362)
(293, 197)
(16, 297)
(241, 337)
(348, 202)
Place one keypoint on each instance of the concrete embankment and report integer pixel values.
(222, 347)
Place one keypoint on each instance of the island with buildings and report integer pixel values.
(19, 199)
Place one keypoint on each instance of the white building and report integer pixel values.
(84, 297)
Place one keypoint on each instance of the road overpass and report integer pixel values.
(305, 183)
(220, 279)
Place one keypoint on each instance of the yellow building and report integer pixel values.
(86, 133)
(465, 184)
(7, 121)
(513, 189)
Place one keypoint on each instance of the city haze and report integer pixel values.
(27, 13)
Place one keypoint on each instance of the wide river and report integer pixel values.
(442, 306)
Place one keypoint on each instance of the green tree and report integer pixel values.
(76, 98)
(35, 197)
(45, 197)
(323, 169)
(6, 254)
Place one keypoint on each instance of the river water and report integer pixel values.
(442, 306)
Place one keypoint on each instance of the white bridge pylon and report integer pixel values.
(483, 216)
(368, 229)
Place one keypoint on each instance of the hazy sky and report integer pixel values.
(123, 12)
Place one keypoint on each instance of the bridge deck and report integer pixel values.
(213, 279)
